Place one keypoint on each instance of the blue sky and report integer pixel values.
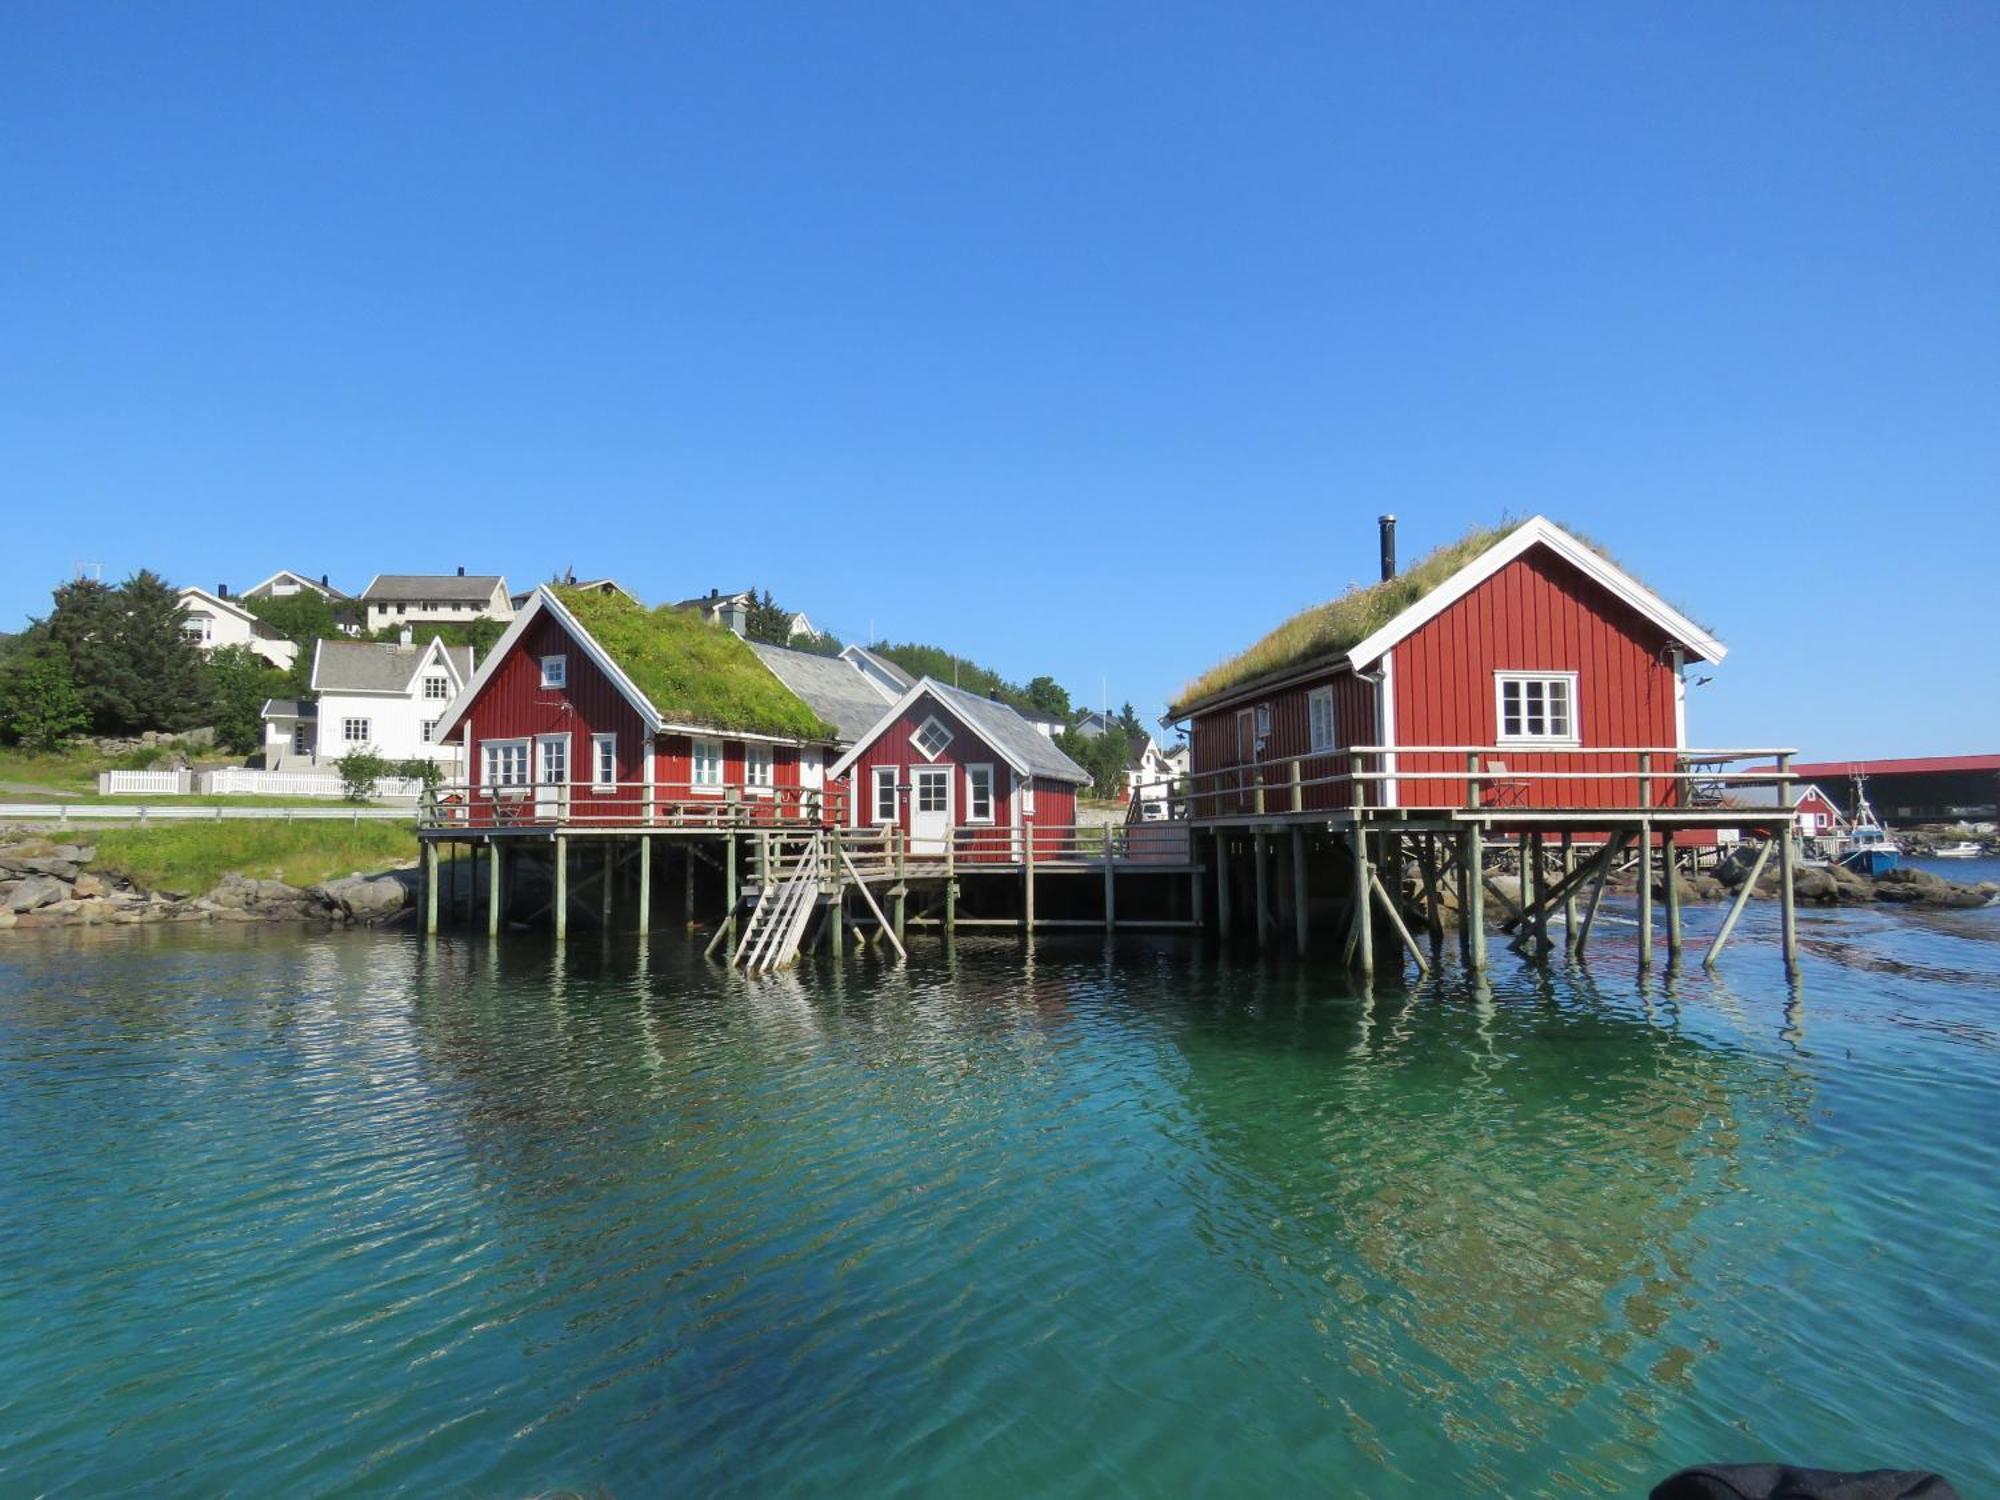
(1083, 339)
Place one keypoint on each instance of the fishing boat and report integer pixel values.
(1963, 849)
(1865, 846)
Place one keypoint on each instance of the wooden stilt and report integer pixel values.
(1364, 929)
(645, 884)
(1301, 912)
(1569, 901)
(1542, 910)
(1474, 915)
(1788, 908)
(604, 896)
(1646, 894)
(1613, 848)
(562, 886)
(1223, 909)
(1028, 878)
(1673, 894)
(731, 891)
(1261, 853)
(1195, 892)
(950, 888)
(838, 911)
(1388, 904)
(1110, 886)
(430, 887)
(1743, 895)
(496, 899)
(687, 875)
(1427, 869)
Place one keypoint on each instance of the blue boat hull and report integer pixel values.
(1871, 862)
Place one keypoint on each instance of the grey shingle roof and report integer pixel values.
(289, 708)
(884, 665)
(1007, 730)
(372, 667)
(832, 688)
(477, 587)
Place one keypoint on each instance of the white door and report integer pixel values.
(930, 809)
(812, 781)
(551, 775)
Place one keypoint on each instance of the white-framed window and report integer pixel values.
(884, 805)
(199, 629)
(506, 762)
(1319, 718)
(759, 767)
(705, 770)
(437, 687)
(302, 739)
(931, 738)
(1536, 707)
(604, 762)
(931, 791)
(356, 731)
(427, 731)
(979, 794)
(555, 671)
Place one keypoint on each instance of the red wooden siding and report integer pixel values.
(1212, 748)
(892, 747)
(1536, 614)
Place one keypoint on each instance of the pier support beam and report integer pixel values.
(1646, 894)
(610, 872)
(1569, 901)
(562, 887)
(1788, 907)
(1301, 916)
(687, 873)
(1364, 927)
(1223, 910)
(732, 891)
(496, 882)
(1261, 853)
(1110, 886)
(1028, 878)
(645, 884)
(430, 887)
(1673, 895)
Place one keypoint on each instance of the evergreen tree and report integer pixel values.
(767, 621)
(156, 681)
(1050, 696)
(39, 704)
(84, 628)
(239, 681)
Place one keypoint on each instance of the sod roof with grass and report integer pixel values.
(1333, 629)
(692, 672)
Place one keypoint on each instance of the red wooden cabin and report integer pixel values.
(1534, 655)
(557, 731)
(944, 764)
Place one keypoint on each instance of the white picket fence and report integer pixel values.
(124, 783)
(243, 781)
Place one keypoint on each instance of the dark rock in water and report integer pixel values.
(365, 899)
(1912, 887)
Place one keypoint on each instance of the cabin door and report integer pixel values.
(812, 782)
(551, 776)
(1246, 755)
(930, 809)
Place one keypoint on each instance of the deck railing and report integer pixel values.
(460, 807)
(1489, 778)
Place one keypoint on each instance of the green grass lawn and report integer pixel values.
(71, 770)
(193, 857)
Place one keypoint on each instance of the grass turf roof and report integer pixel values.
(1339, 625)
(694, 672)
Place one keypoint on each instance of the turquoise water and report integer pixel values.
(293, 1215)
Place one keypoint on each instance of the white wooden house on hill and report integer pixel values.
(215, 620)
(284, 583)
(372, 696)
(423, 598)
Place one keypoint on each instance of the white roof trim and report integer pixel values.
(902, 706)
(1540, 531)
(542, 601)
(219, 602)
(324, 590)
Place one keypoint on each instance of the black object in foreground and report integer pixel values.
(1782, 1482)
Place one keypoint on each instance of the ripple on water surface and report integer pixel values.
(313, 1214)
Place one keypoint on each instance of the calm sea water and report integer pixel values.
(296, 1215)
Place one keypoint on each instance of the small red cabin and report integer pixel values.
(1517, 655)
(557, 730)
(944, 760)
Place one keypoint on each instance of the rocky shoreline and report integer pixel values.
(53, 886)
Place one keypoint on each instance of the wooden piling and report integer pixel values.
(1110, 888)
(1301, 912)
(1364, 933)
(430, 887)
(1788, 909)
(731, 891)
(645, 884)
(562, 887)
(1646, 894)
(1223, 910)
(1673, 895)
(1569, 901)
(1474, 914)
(1261, 854)
(687, 874)
(610, 874)
(496, 900)
(1541, 908)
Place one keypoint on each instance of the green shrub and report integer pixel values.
(361, 770)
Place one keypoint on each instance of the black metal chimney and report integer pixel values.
(1388, 525)
(461, 570)
(222, 591)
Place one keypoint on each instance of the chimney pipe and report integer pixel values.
(222, 591)
(461, 570)
(1388, 525)
(322, 581)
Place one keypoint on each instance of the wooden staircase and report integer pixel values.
(784, 907)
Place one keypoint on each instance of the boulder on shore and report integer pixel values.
(36, 892)
(364, 898)
(1910, 887)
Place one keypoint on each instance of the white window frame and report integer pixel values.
(883, 778)
(973, 779)
(600, 746)
(1501, 682)
(917, 737)
(1319, 703)
(427, 731)
(437, 688)
(517, 762)
(760, 769)
(707, 769)
(347, 731)
(555, 671)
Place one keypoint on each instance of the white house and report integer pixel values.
(419, 598)
(284, 583)
(371, 696)
(1150, 771)
(213, 621)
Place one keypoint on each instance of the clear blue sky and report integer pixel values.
(1083, 339)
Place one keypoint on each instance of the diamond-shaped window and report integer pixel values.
(931, 738)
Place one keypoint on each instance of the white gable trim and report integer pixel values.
(220, 603)
(1540, 531)
(546, 601)
(902, 706)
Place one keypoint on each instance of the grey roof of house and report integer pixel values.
(1004, 729)
(474, 586)
(373, 667)
(1765, 794)
(832, 688)
(888, 667)
(721, 598)
(289, 708)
